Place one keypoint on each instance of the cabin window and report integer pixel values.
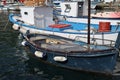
(68, 8)
(26, 13)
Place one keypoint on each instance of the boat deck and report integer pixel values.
(64, 45)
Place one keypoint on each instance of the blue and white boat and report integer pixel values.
(69, 24)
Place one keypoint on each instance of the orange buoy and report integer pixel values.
(104, 27)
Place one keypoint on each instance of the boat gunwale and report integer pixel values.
(75, 54)
(22, 23)
(87, 53)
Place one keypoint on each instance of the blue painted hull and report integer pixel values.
(75, 31)
(100, 62)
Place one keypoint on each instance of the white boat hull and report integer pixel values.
(101, 38)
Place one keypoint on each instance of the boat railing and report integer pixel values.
(96, 40)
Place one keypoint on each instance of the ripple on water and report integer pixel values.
(13, 59)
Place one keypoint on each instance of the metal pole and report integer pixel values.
(89, 12)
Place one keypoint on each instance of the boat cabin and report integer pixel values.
(74, 9)
(37, 16)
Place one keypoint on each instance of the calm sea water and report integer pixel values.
(15, 64)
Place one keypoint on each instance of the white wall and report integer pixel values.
(71, 12)
(29, 17)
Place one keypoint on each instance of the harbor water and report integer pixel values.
(16, 64)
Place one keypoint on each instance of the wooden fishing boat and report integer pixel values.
(104, 35)
(70, 54)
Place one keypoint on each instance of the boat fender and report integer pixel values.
(16, 27)
(60, 58)
(39, 54)
(24, 43)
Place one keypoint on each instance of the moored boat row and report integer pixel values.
(67, 40)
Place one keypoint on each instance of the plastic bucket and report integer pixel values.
(104, 27)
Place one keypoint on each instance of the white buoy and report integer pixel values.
(15, 27)
(60, 58)
(39, 54)
(23, 43)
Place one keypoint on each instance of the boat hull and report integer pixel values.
(103, 38)
(107, 38)
(108, 15)
(91, 63)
